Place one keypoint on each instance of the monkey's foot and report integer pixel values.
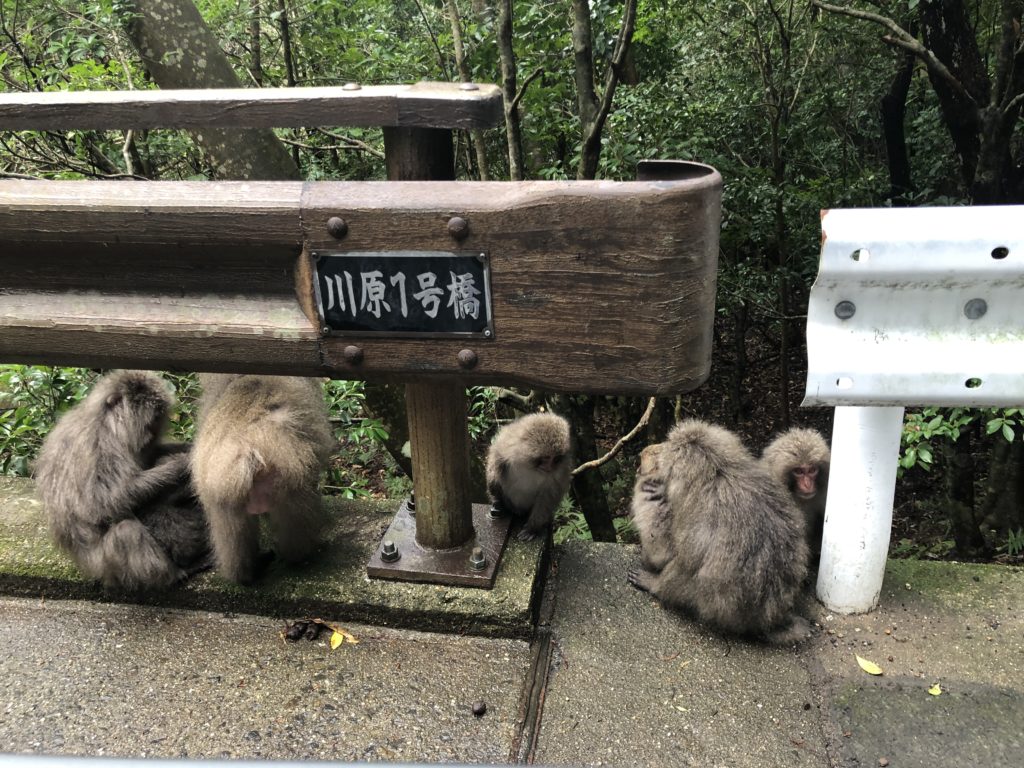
(527, 535)
(640, 578)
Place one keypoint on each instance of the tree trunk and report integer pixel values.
(255, 43)
(946, 31)
(893, 110)
(513, 128)
(960, 476)
(476, 136)
(179, 51)
(587, 487)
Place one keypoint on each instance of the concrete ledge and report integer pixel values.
(333, 585)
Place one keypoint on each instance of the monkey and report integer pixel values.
(529, 468)
(799, 458)
(650, 511)
(736, 554)
(261, 444)
(117, 499)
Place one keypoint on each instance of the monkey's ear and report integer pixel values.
(113, 399)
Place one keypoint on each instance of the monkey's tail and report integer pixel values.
(798, 630)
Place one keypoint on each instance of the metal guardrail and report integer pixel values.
(910, 307)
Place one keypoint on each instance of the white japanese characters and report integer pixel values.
(379, 297)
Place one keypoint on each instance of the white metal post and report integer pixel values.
(858, 513)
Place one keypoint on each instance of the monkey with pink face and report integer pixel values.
(799, 458)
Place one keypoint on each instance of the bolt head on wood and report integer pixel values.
(337, 227)
(467, 359)
(353, 354)
(458, 227)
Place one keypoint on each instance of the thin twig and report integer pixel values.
(522, 90)
(622, 440)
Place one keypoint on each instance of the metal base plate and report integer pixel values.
(442, 566)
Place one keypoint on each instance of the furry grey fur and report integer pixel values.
(529, 468)
(802, 447)
(117, 499)
(261, 444)
(736, 554)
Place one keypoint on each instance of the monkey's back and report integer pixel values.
(249, 424)
(738, 537)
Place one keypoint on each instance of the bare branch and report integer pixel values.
(522, 91)
(622, 440)
(903, 39)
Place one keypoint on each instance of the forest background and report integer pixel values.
(801, 106)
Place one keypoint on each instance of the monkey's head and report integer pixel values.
(134, 406)
(544, 442)
(800, 458)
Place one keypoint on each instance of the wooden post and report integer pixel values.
(438, 431)
(439, 437)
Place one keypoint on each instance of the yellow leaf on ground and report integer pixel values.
(337, 639)
(935, 690)
(868, 666)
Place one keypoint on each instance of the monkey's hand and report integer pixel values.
(655, 489)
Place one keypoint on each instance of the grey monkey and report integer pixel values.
(117, 499)
(736, 553)
(799, 458)
(261, 444)
(529, 468)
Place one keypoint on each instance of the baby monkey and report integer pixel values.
(529, 468)
(799, 458)
(720, 538)
(117, 499)
(261, 444)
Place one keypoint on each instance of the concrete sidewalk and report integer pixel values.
(608, 678)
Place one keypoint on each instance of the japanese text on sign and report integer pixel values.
(404, 293)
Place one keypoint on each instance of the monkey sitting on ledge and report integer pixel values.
(117, 499)
(529, 468)
(720, 538)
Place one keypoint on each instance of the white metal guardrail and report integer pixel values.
(910, 307)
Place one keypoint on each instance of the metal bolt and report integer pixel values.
(469, 87)
(353, 354)
(845, 310)
(467, 359)
(389, 551)
(458, 227)
(411, 503)
(975, 308)
(495, 512)
(477, 561)
(337, 227)
(325, 330)
(487, 333)
(351, 87)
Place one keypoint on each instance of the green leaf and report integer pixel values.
(1008, 433)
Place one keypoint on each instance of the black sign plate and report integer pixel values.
(404, 293)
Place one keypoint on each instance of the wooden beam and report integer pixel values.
(602, 287)
(421, 105)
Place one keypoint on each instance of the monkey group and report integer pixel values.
(138, 513)
(727, 537)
